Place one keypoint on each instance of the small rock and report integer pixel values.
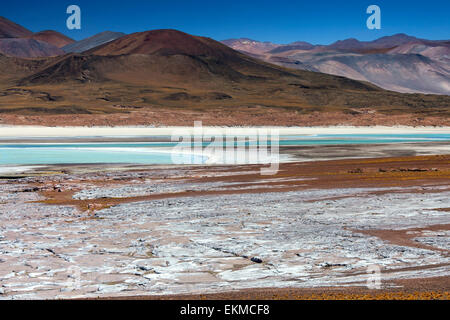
(256, 260)
(331, 265)
(144, 268)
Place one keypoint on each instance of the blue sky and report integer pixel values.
(281, 21)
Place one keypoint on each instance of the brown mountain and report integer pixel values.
(53, 37)
(164, 42)
(9, 29)
(172, 70)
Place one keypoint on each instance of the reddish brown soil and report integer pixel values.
(255, 116)
(414, 289)
(404, 237)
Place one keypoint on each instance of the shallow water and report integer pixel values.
(163, 152)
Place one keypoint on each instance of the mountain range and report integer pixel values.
(400, 62)
(170, 69)
(52, 37)
(17, 41)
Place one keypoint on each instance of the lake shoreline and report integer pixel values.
(21, 132)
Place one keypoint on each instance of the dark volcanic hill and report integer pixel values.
(53, 37)
(28, 48)
(9, 29)
(164, 42)
(92, 42)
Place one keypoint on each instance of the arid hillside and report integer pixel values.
(53, 37)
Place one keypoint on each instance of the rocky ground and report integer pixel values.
(236, 116)
(82, 232)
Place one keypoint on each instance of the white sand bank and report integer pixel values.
(73, 132)
(16, 169)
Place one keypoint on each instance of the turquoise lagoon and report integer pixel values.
(162, 152)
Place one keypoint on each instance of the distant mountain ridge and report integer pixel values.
(399, 62)
(18, 41)
(398, 72)
(53, 37)
(92, 42)
(381, 43)
(298, 45)
(28, 48)
(351, 44)
(250, 46)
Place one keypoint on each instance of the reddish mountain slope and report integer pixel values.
(164, 42)
(9, 29)
(53, 37)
